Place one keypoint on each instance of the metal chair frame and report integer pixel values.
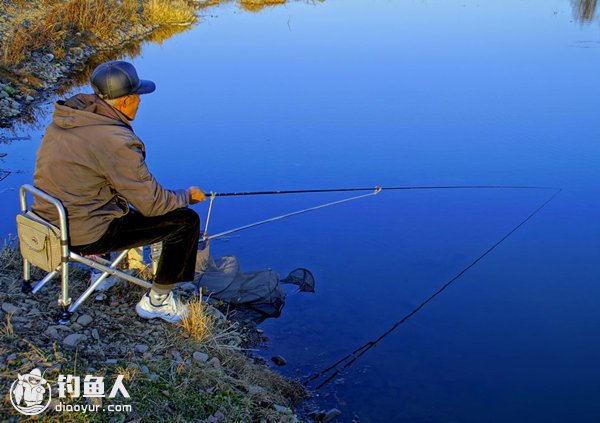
(108, 268)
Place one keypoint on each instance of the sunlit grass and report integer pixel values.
(197, 323)
(169, 12)
(71, 22)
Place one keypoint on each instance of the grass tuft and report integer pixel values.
(197, 323)
(7, 327)
(169, 12)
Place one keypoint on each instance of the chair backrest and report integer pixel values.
(39, 241)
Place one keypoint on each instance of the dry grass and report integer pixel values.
(52, 31)
(169, 12)
(68, 23)
(7, 327)
(198, 324)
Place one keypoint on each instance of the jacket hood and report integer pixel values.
(86, 110)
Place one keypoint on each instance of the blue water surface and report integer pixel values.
(404, 92)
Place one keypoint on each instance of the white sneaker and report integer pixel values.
(171, 310)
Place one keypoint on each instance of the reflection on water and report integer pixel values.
(128, 51)
(258, 5)
(584, 10)
(34, 115)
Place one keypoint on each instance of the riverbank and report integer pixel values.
(48, 45)
(166, 371)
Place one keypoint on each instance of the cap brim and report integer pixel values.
(146, 87)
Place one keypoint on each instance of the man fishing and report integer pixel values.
(92, 161)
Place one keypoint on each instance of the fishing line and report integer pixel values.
(351, 358)
(284, 216)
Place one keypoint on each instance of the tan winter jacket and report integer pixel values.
(91, 160)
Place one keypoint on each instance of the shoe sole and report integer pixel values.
(148, 315)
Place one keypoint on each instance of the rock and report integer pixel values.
(85, 320)
(11, 359)
(29, 99)
(73, 340)
(145, 370)
(141, 348)
(51, 332)
(34, 311)
(255, 389)
(8, 308)
(54, 368)
(100, 297)
(212, 311)
(176, 356)
(279, 360)
(49, 57)
(8, 90)
(95, 334)
(218, 417)
(215, 362)
(111, 361)
(331, 414)
(76, 327)
(281, 408)
(200, 357)
(76, 51)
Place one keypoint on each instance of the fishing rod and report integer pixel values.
(310, 191)
(335, 369)
(374, 191)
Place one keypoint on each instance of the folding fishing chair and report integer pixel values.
(45, 246)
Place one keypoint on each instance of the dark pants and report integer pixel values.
(178, 230)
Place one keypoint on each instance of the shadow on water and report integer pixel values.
(585, 10)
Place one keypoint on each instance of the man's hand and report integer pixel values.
(196, 195)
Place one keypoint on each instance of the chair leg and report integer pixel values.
(65, 316)
(26, 287)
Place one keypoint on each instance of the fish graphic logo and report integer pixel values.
(29, 392)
